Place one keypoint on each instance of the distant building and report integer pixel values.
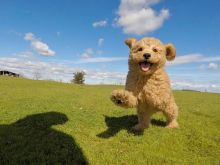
(8, 73)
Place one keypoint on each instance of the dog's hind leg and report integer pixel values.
(171, 113)
(144, 117)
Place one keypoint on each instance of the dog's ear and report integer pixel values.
(170, 52)
(130, 42)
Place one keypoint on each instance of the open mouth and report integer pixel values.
(145, 66)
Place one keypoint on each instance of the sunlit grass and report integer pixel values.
(48, 122)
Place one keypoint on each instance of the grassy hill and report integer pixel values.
(47, 122)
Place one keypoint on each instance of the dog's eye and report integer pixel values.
(155, 50)
(140, 49)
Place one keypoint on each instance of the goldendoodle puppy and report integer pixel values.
(148, 85)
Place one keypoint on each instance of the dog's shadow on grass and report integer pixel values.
(32, 140)
(115, 124)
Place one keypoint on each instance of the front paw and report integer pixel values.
(116, 100)
(118, 97)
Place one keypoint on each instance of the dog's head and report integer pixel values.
(149, 54)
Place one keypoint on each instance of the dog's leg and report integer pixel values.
(144, 116)
(171, 114)
(124, 98)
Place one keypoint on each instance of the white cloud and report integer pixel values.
(105, 77)
(39, 46)
(29, 36)
(100, 41)
(213, 66)
(138, 17)
(210, 59)
(100, 59)
(89, 56)
(190, 58)
(197, 86)
(28, 66)
(101, 23)
(88, 53)
(26, 54)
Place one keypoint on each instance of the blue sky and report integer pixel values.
(55, 38)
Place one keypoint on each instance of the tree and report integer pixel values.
(79, 77)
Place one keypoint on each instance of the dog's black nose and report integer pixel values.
(146, 56)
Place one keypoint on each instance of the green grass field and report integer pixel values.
(45, 122)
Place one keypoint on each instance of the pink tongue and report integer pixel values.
(145, 66)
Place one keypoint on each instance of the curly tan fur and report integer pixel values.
(148, 90)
